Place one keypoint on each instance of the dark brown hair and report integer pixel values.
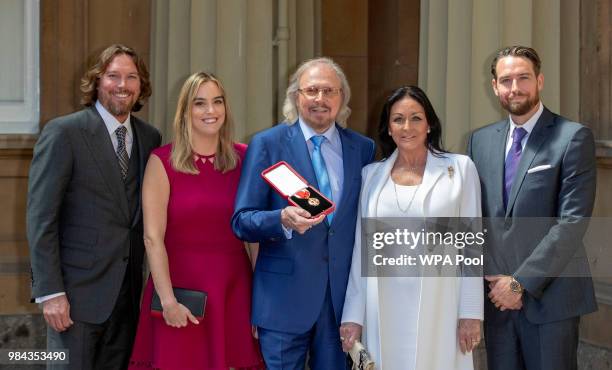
(89, 81)
(517, 51)
(434, 137)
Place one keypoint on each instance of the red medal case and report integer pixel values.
(288, 183)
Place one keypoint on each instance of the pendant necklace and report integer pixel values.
(411, 198)
(411, 168)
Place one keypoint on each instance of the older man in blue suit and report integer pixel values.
(303, 264)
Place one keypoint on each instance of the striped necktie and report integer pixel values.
(122, 155)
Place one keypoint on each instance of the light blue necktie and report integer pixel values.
(320, 170)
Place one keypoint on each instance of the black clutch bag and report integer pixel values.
(194, 300)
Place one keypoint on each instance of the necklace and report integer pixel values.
(411, 198)
(204, 158)
(411, 168)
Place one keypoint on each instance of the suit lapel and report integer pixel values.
(350, 167)
(498, 161)
(434, 168)
(297, 154)
(138, 145)
(375, 183)
(535, 140)
(101, 147)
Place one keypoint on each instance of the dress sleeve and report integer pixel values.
(471, 301)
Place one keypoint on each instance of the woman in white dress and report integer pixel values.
(420, 323)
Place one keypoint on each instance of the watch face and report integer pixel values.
(515, 286)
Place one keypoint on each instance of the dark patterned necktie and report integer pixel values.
(512, 160)
(122, 155)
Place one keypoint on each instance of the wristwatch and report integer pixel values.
(515, 286)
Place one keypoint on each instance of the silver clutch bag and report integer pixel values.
(361, 358)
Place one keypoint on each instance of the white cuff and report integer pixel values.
(288, 232)
(48, 297)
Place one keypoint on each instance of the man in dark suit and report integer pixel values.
(84, 219)
(303, 264)
(538, 174)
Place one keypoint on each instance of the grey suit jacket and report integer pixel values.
(538, 238)
(80, 231)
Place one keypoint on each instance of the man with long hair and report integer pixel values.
(303, 264)
(84, 219)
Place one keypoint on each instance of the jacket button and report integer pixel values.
(125, 259)
(331, 232)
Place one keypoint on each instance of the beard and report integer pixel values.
(114, 106)
(520, 108)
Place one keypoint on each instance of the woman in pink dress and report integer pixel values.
(188, 197)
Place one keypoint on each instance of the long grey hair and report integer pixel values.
(290, 110)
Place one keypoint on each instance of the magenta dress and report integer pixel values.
(203, 254)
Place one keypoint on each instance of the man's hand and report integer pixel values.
(298, 219)
(57, 313)
(349, 333)
(468, 334)
(501, 295)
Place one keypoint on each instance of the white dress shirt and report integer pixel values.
(112, 124)
(331, 150)
(528, 126)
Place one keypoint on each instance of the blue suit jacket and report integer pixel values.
(291, 276)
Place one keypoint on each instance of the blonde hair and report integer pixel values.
(182, 153)
(290, 110)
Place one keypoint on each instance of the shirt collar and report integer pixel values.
(531, 122)
(111, 122)
(331, 134)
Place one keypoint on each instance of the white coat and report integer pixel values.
(444, 300)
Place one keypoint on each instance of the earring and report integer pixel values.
(428, 130)
(389, 133)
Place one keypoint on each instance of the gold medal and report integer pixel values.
(313, 202)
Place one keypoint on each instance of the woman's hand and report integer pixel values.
(468, 334)
(176, 315)
(349, 333)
